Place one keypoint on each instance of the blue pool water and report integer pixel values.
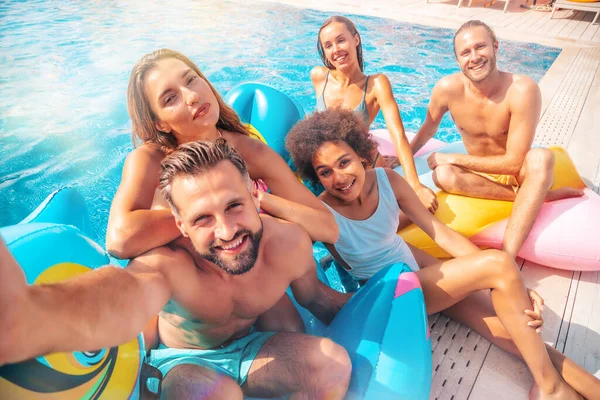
(65, 66)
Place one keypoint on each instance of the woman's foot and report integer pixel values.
(563, 193)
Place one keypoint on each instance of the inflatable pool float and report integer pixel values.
(560, 237)
(384, 328)
(269, 112)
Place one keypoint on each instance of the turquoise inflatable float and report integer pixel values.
(383, 327)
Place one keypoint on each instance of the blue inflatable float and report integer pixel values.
(383, 327)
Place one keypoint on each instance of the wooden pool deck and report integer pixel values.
(465, 365)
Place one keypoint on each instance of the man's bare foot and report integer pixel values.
(563, 193)
(564, 391)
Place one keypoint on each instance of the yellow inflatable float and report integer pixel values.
(560, 237)
(469, 216)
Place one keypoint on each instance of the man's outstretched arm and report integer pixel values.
(99, 309)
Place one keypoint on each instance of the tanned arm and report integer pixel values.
(525, 107)
(295, 212)
(453, 242)
(312, 294)
(438, 106)
(99, 309)
(393, 121)
(133, 228)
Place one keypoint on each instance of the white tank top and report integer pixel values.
(369, 245)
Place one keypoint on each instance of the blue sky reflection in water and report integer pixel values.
(65, 67)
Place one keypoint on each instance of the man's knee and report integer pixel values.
(188, 381)
(444, 177)
(330, 367)
(539, 163)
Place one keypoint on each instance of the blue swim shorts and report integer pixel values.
(233, 360)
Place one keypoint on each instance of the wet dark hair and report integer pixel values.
(195, 158)
(352, 28)
(334, 125)
(474, 23)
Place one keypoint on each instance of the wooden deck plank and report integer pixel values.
(458, 354)
(533, 18)
(582, 26)
(512, 18)
(562, 115)
(562, 22)
(502, 377)
(551, 82)
(588, 35)
(550, 23)
(583, 339)
(573, 23)
(596, 37)
(541, 23)
(583, 138)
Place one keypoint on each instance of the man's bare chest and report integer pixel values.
(226, 301)
(480, 120)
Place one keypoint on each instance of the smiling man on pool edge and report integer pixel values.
(496, 114)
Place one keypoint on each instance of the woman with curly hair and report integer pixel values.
(342, 83)
(482, 289)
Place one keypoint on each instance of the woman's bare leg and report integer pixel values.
(477, 312)
(446, 283)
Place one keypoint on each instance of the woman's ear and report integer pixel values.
(162, 127)
(357, 39)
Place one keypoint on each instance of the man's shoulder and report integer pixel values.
(283, 237)
(282, 229)
(522, 83)
(449, 85)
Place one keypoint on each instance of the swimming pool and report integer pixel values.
(65, 66)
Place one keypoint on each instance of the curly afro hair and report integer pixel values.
(308, 135)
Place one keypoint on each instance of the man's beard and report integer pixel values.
(242, 262)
